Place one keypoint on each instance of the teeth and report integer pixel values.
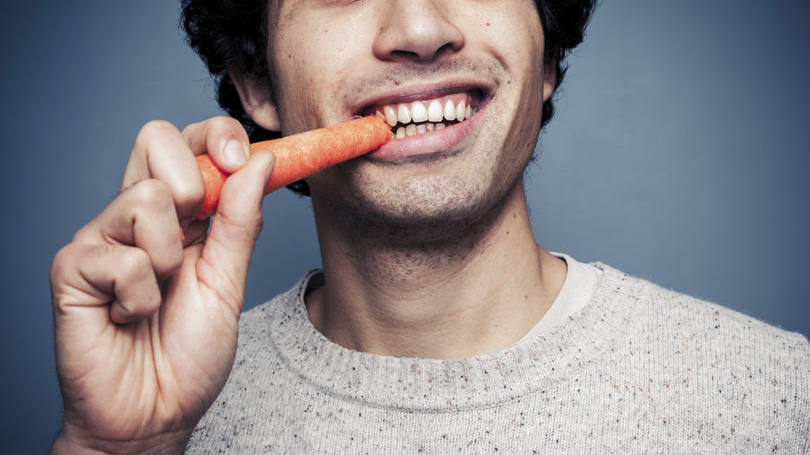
(415, 130)
(449, 111)
(418, 112)
(403, 114)
(435, 112)
(419, 117)
(391, 116)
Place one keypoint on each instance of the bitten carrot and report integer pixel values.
(301, 155)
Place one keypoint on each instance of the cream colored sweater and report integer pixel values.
(638, 369)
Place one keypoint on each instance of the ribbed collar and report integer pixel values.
(530, 366)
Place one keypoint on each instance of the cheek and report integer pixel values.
(514, 37)
(307, 67)
(527, 72)
(510, 30)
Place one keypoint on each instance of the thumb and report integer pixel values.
(223, 265)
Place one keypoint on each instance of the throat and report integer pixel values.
(478, 294)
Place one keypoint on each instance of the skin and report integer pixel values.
(138, 309)
(429, 257)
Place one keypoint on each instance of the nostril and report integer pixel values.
(447, 48)
(401, 54)
(404, 55)
(417, 32)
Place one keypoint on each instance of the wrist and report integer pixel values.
(70, 442)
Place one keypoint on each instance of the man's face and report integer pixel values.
(331, 60)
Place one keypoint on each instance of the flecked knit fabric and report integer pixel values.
(640, 369)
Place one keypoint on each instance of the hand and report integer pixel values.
(146, 318)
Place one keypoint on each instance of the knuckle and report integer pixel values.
(189, 194)
(153, 130)
(226, 123)
(168, 261)
(191, 127)
(81, 233)
(61, 261)
(141, 306)
(151, 194)
(135, 263)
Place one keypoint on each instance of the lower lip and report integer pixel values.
(428, 143)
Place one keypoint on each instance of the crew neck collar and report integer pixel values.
(529, 366)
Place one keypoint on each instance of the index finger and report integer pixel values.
(223, 138)
(161, 152)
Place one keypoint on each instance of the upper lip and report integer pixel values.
(420, 92)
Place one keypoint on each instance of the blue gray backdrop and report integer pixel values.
(680, 153)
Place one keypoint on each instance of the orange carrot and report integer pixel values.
(301, 155)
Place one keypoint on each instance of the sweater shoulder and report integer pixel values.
(703, 319)
(691, 337)
(652, 302)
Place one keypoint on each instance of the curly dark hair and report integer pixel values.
(233, 34)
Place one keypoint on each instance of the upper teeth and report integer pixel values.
(425, 111)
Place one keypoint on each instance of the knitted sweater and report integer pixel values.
(639, 369)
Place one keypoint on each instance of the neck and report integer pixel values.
(479, 293)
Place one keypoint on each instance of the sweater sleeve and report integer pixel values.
(804, 393)
(801, 391)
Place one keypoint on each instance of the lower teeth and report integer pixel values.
(415, 129)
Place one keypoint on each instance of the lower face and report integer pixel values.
(464, 123)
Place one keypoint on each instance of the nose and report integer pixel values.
(417, 31)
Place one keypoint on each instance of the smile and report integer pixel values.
(419, 117)
(429, 120)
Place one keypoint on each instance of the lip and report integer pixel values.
(430, 143)
(423, 92)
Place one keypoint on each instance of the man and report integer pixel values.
(438, 324)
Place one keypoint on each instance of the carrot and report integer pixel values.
(301, 155)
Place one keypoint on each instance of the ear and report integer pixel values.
(549, 78)
(257, 100)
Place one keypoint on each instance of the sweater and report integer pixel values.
(638, 369)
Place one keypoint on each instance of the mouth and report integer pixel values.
(426, 121)
(411, 118)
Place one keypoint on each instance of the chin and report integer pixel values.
(438, 210)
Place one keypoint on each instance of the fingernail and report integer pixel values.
(235, 153)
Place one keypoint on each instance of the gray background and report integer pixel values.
(680, 153)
